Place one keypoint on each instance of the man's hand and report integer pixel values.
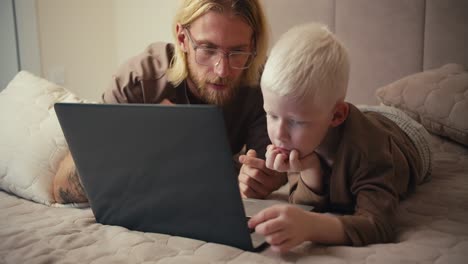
(67, 183)
(255, 179)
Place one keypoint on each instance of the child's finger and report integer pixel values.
(273, 227)
(270, 147)
(294, 162)
(277, 238)
(279, 163)
(270, 158)
(263, 216)
(284, 247)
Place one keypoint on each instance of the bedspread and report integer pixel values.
(432, 228)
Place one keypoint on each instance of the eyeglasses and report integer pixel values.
(211, 57)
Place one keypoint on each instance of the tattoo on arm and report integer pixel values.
(75, 192)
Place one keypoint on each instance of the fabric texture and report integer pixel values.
(31, 140)
(438, 99)
(373, 165)
(415, 131)
(431, 229)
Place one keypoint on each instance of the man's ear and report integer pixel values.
(340, 114)
(181, 37)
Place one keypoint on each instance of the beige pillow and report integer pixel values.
(31, 140)
(437, 98)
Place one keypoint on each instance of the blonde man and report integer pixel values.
(220, 47)
(358, 164)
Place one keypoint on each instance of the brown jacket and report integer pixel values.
(375, 164)
(142, 79)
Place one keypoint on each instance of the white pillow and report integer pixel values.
(31, 140)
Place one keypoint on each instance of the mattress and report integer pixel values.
(432, 228)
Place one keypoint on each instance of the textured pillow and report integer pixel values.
(31, 140)
(438, 99)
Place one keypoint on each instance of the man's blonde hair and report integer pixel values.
(308, 61)
(250, 10)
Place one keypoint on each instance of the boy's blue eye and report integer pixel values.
(296, 123)
(290, 122)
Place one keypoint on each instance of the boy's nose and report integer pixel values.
(282, 131)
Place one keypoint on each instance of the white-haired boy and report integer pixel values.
(356, 163)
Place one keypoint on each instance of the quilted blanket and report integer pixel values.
(433, 228)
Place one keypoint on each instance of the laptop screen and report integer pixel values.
(158, 168)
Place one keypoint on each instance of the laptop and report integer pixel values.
(159, 168)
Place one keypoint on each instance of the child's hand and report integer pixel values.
(276, 159)
(284, 226)
(281, 160)
(255, 180)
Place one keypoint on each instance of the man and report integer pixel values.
(220, 49)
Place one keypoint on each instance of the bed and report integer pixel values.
(425, 75)
(433, 228)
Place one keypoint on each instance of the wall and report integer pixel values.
(85, 41)
(28, 36)
(140, 22)
(9, 63)
(386, 39)
(282, 15)
(77, 43)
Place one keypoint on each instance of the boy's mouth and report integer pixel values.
(284, 151)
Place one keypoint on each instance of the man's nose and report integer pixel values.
(221, 68)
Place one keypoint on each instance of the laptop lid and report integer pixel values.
(158, 168)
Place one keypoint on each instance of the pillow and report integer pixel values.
(31, 140)
(438, 99)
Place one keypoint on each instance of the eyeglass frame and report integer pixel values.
(219, 51)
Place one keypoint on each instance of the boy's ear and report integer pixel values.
(340, 114)
(181, 37)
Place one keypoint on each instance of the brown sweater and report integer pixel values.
(142, 79)
(373, 166)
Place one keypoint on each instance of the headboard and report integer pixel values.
(386, 39)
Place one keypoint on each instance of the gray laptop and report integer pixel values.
(158, 168)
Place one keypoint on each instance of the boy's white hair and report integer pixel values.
(308, 61)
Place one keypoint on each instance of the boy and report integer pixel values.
(340, 159)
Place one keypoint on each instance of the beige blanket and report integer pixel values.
(433, 228)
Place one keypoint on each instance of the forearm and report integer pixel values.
(374, 219)
(313, 179)
(67, 185)
(299, 193)
(326, 229)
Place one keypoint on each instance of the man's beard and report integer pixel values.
(211, 96)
